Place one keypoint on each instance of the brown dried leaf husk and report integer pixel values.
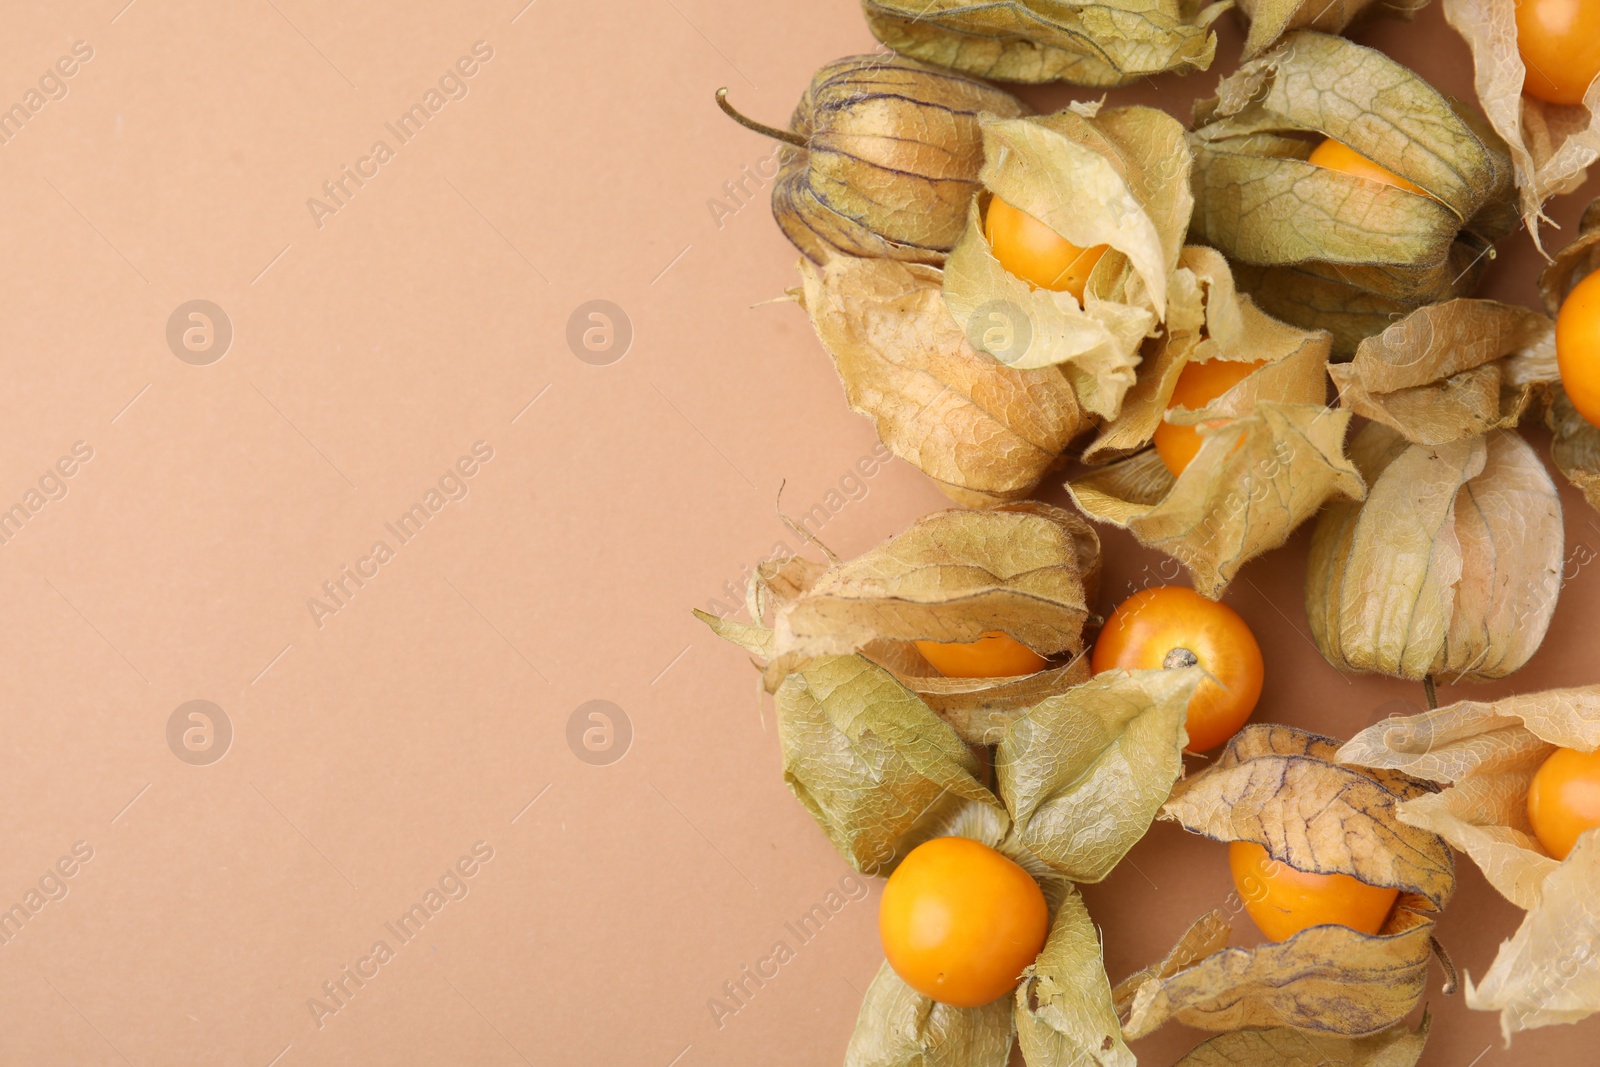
(891, 161)
(982, 430)
(1064, 1011)
(1271, 19)
(899, 1027)
(1325, 979)
(1451, 370)
(1489, 752)
(1083, 773)
(1282, 789)
(1264, 466)
(1028, 570)
(1285, 1046)
(872, 763)
(1451, 567)
(1325, 249)
(1111, 42)
(1275, 786)
(1551, 145)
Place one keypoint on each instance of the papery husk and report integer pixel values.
(1028, 570)
(1108, 43)
(1547, 973)
(984, 432)
(1271, 19)
(1576, 261)
(891, 159)
(1064, 1012)
(980, 709)
(1207, 318)
(1278, 787)
(872, 763)
(1285, 1046)
(1451, 567)
(1575, 444)
(1206, 935)
(1119, 178)
(1488, 753)
(899, 1027)
(1084, 773)
(1271, 454)
(1451, 370)
(1552, 145)
(1320, 248)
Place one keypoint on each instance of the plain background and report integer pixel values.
(374, 746)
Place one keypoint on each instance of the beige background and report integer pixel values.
(429, 713)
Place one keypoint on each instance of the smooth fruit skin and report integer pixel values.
(1035, 253)
(1155, 622)
(1578, 347)
(1564, 799)
(960, 922)
(1283, 901)
(1560, 45)
(1336, 155)
(1198, 385)
(994, 655)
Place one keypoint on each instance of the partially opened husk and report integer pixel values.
(1575, 446)
(1279, 787)
(1285, 1046)
(1552, 145)
(1084, 772)
(1103, 43)
(1028, 570)
(1451, 370)
(1271, 19)
(981, 709)
(1451, 567)
(1488, 753)
(982, 430)
(1119, 178)
(1320, 248)
(1271, 451)
(890, 158)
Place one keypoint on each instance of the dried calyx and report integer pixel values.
(881, 158)
(1327, 248)
(1102, 43)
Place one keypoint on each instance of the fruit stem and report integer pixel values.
(786, 136)
(1449, 986)
(1427, 687)
(1179, 657)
